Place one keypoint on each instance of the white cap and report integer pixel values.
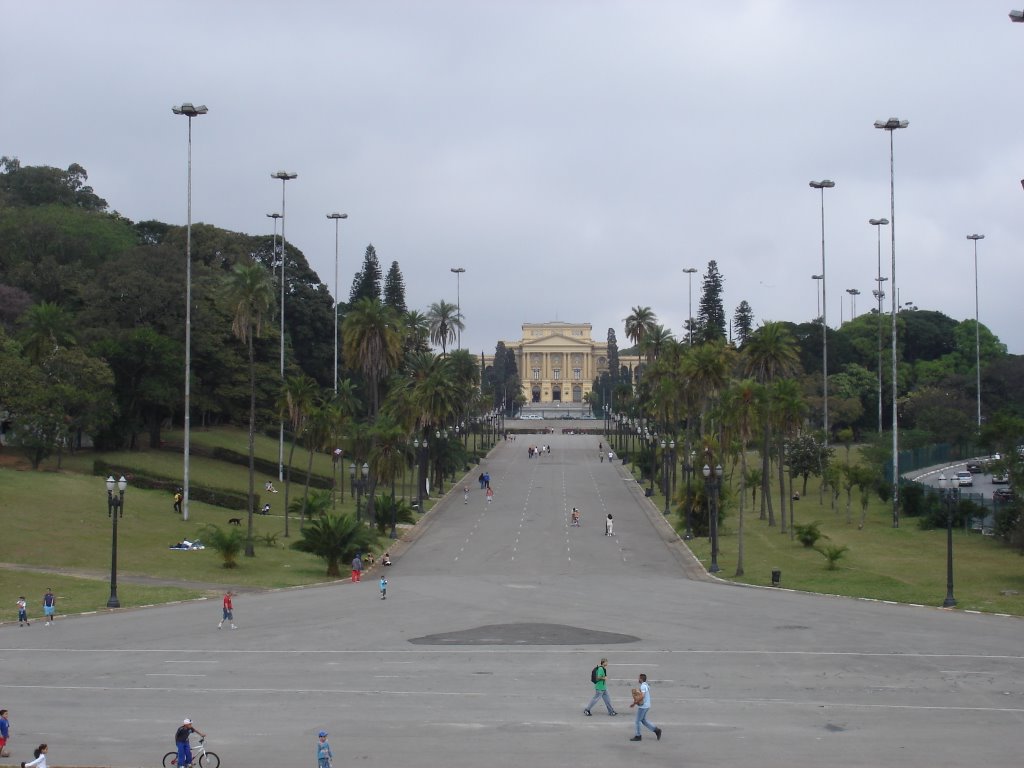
(187, 722)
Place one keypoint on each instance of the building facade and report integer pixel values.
(558, 361)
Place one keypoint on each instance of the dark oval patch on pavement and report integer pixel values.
(525, 634)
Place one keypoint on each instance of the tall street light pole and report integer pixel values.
(879, 294)
(115, 509)
(977, 326)
(458, 297)
(689, 271)
(817, 296)
(821, 186)
(892, 125)
(284, 176)
(189, 111)
(337, 218)
(854, 293)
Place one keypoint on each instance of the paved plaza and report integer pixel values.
(481, 655)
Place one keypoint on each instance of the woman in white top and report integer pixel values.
(40, 761)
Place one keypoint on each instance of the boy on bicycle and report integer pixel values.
(181, 737)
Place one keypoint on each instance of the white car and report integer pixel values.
(964, 478)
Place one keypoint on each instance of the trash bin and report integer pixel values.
(776, 577)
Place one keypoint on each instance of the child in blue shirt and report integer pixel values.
(383, 588)
(324, 755)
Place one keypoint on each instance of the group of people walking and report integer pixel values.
(49, 609)
(38, 754)
(641, 700)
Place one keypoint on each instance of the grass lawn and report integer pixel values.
(905, 564)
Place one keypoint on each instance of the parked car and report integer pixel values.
(1001, 478)
(964, 478)
(1003, 495)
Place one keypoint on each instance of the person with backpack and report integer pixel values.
(598, 676)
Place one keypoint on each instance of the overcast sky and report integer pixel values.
(574, 157)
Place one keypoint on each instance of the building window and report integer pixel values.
(536, 374)
(557, 374)
(577, 374)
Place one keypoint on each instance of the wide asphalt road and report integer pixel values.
(481, 656)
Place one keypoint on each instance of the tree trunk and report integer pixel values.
(250, 550)
(781, 443)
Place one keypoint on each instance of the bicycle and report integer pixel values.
(201, 756)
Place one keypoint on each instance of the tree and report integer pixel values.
(297, 398)
(43, 185)
(333, 538)
(639, 323)
(226, 543)
(46, 327)
(372, 344)
(786, 410)
(743, 323)
(445, 322)
(394, 289)
(741, 403)
(711, 315)
(366, 284)
(250, 297)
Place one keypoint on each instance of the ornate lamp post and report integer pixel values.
(115, 509)
(950, 498)
(712, 484)
(689, 497)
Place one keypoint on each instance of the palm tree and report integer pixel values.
(787, 411)
(46, 326)
(372, 344)
(657, 340)
(741, 405)
(297, 397)
(250, 296)
(639, 323)
(333, 538)
(417, 332)
(227, 544)
(445, 323)
(769, 354)
(389, 455)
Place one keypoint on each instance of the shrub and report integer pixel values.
(833, 555)
(809, 533)
(227, 543)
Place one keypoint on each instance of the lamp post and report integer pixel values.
(892, 125)
(689, 274)
(821, 186)
(668, 454)
(817, 295)
(417, 447)
(189, 111)
(284, 176)
(358, 480)
(712, 484)
(688, 535)
(977, 326)
(950, 498)
(458, 297)
(854, 293)
(879, 294)
(337, 218)
(115, 509)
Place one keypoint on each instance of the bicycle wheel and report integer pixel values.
(209, 760)
(170, 759)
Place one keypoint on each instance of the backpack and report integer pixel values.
(593, 673)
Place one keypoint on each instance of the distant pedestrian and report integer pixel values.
(481, 481)
(228, 613)
(357, 568)
(23, 612)
(465, 494)
(178, 496)
(609, 525)
(575, 518)
(487, 479)
(599, 677)
(5, 733)
(642, 701)
(601, 454)
(490, 494)
(40, 761)
(49, 606)
(383, 588)
(324, 755)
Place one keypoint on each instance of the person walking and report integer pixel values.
(40, 757)
(49, 606)
(178, 496)
(599, 677)
(357, 568)
(490, 494)
(609, 525)
(575, 518)
(383, 588)
(642, 701)
(181, 743)
(465, 494)
(5, 733)
(23, 612)
(228, 613)
(324, 755)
